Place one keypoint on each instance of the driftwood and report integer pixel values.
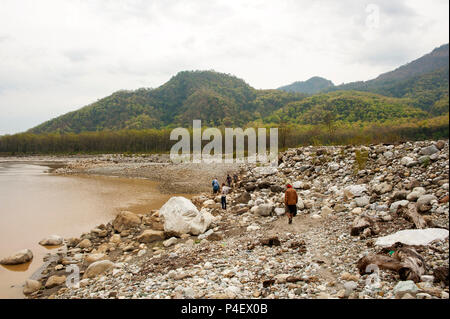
(405, 261)
(410, 213)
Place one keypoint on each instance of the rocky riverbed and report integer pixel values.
(351, 197)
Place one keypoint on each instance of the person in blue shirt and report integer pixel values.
(215, 186)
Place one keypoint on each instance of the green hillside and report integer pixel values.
(424, 80)
(345, 107)
(215, 98)
(418, 90)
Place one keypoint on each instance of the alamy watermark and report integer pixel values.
(373, 16)
(213, 151)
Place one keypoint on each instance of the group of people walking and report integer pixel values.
(224, 189)
(290, 196)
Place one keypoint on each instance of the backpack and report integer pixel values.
(216, 185)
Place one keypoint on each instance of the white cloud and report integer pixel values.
(59, 55)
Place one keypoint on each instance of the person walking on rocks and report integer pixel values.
(225, 190)
(235, 178)
(290, 200)
(215, 186)
(229, 180)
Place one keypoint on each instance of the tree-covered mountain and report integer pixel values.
(424, 80)
(433, 61)
(215, 98)
(312, 86)
(416, 90)
(345, 107)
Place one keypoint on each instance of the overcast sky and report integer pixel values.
(59, 55)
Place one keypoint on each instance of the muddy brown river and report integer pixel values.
(35, 204)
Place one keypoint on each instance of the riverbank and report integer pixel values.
(36, 203)
(350, 198)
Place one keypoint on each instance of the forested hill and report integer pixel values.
(215, 98)
(312, 86)
(424, 80)
(416, 90)
(431, 62)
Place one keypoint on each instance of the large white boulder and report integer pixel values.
(182, 217)
(413, 237)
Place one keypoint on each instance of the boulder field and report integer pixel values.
(362, 208)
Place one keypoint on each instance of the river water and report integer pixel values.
(35, 204)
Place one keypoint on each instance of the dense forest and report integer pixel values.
(411, 102)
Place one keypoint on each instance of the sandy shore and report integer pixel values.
(188, 178)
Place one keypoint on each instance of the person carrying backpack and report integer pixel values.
(215, 186)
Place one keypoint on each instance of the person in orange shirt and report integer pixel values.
(290, 200)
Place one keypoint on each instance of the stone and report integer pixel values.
(407, 161)
(440, 144)
(232, 291)
(349, 277)
(253, 228)
(423, 295)
(125, 220)
(182, 217)
(209, 203)
(206, 234)
(424, 202)
(150, 235)
(170, 242)
(97, 268)
(244, 198)
(19, 257)
(416, 193)
(405, 287)
(91, 258)
(53, 240)
(276, 189)
(326, 211)
(429, 150)
(72, 242)
(280, 211)
(427, 278)
(362, 201)
(397, 204)
(265, 170)
(355, 191)
(388, 154)
(413, 237)
(300, 204)
(382, 188)
(54, 281)
(115, 239)
(264, 210)
(297, 185)
(85, 243)
(31, 286)
(281, 278)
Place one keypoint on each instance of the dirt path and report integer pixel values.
(314, 233)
